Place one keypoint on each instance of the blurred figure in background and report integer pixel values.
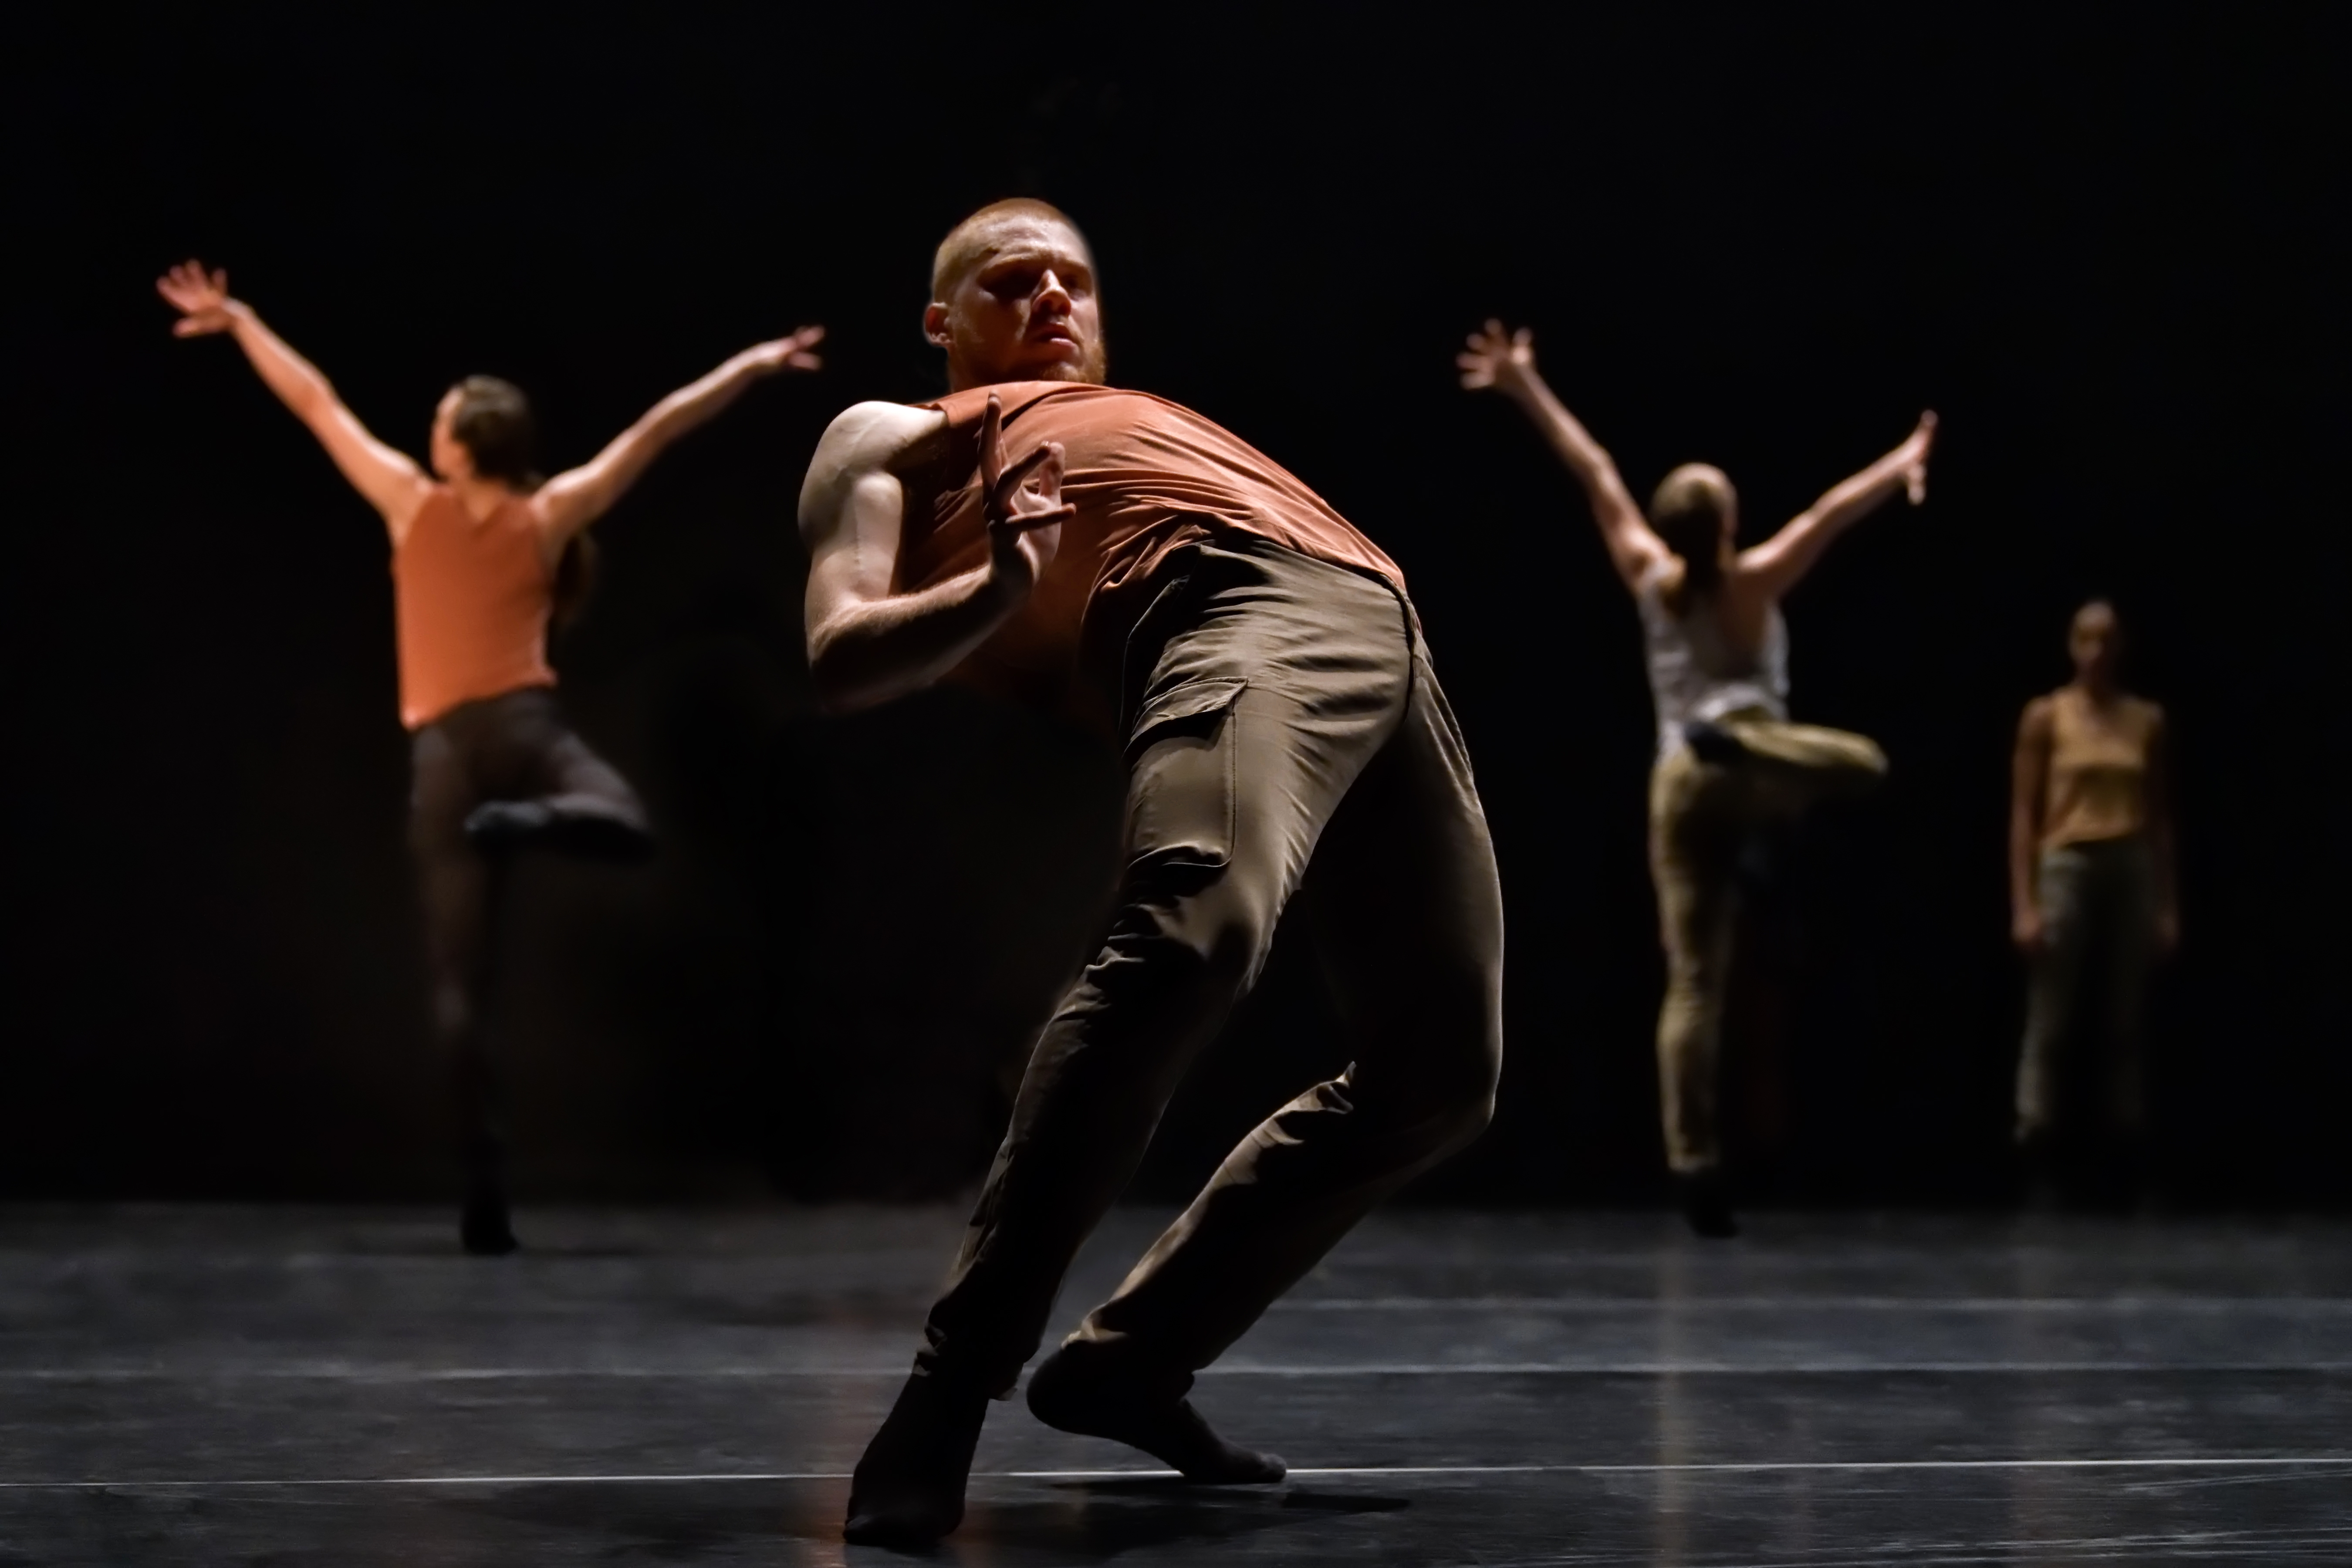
(1729, 763)
(2093, 900)
(484, 553)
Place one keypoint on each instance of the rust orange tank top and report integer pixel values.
(472, 601)
(1147, 477)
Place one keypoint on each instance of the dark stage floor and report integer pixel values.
(287, 1387)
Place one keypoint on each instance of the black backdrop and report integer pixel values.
(2110, 251)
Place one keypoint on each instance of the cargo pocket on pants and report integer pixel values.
(1179, 786)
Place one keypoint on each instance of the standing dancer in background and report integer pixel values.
(483, 552)
(2093, 898)
(1729, 762)
(1257, 663)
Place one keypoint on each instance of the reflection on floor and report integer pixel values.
(293, 1387)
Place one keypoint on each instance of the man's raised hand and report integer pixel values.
(202, 298)
(1498, 359)
(786, 353)
(1022, 503)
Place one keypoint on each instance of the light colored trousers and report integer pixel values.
(1701, 816)
(2098, 946)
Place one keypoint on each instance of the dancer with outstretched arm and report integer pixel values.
(482, 552)
(2093, 898)
(1258, 665)
(1728, 761)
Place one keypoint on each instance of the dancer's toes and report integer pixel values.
(483, 1228)
(909, 1488)
(1706, 1204)
(1067, 1393)
(886, 1513)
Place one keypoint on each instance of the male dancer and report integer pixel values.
(481, 553)
(1121, 559)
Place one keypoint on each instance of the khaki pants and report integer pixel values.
(1286, 736)
(1701, 816)
(2098, 946)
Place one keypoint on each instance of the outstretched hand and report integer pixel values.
(1913, 456)
(1498, 359)
(786, 353)
(202, 298)
(1022, 503)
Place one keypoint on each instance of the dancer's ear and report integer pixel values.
(935, 323)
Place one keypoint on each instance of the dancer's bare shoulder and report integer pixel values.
(2034, 725)
(865, 445)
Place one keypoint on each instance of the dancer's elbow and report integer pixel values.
(842, 682)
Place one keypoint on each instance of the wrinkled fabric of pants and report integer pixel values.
(2098, 947)
(1701, 817)
(514, 746)
(1285, 738)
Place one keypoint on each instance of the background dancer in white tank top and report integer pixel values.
(1728, 760)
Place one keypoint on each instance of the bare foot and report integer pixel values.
(907, 1489)
(1075, 1391)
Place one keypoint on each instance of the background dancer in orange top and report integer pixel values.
(482, 552)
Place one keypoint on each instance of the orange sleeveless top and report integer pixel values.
(472, 601)
(1147, 477)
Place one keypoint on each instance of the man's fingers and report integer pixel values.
(992, 443)
(1025, 521)
(809, 337)
(1010, 479)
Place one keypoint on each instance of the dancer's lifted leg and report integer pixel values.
(1255, 659)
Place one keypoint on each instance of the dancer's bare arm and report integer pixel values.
(2029, 774)
(572, 501)
(390, 480)
(1507, 363)
(868, 645)
(1781, 562)
(2160, 835)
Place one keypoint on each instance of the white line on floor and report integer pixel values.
(2297, 1461)
(1697, 1306)
(331, 1371)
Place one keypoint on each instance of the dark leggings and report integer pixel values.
(511, 747)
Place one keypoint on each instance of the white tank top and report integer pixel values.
(1696, 676)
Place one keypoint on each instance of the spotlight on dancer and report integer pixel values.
(2092, 897)
(1729, 763)
(1258, 665)
(483, 554)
